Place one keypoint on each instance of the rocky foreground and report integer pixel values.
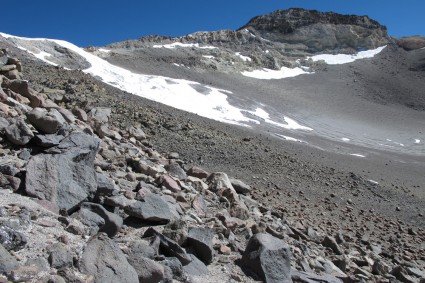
(85, 199)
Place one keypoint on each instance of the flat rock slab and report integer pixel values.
(269, 258)
(103, 259)
(7, 261)
(153, 208)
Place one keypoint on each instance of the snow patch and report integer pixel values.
(183, 45)
(42, 55)
(208, 56)
(243, 58)
(268, 74)
(373, 182)
(290, 123)
(357, 155)
(211, 103)
(345, 139)
(417, 141)
(346, 58)
(104, 50)
(290, 138)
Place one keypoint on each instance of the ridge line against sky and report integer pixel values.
(99, 23)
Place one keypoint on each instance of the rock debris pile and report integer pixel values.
(84, 201)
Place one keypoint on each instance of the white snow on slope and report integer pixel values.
(179, 44)
(345, 139)
(346, 58)
(182, 94)
(357, 155)
(290, 123)
(268, 74)
(290, 138)
(417, 141)
(208, 56)
(243, 58)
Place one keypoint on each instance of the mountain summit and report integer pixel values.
(319, 31)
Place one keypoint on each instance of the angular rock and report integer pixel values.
(176, 171)
(197, 172)
(148, 270)
(139, 248)
(90, 219)
(11, 239)
(219, 180)
(167, 246)
(169, 183)
(195, 267)
(174, 270)
(105, 187)
(269, 258)
(153, 209)
(80, 114)
(100, 114)
(113, 222)
(18, 133)
(3, 123)
(200, 205)
(65, 174)
(47, 141)
(331, 243)
(7, 261)
(60, 256)
(240, 187)
(104, 260)
(137, 133)
(176, 230)
(46, 122)
(201, 241)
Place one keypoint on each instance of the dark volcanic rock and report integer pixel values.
(18, 133)
(148, 270)
(103, 259)
(60, 256)
(64, 175)
(268, 257)
(113, 222)
(319, 31)
(152, 208)
(46, 122)
(11, 239)
(195, 267)
(167, 246)
(201, 241)
(7, 261)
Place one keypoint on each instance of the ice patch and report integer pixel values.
(290, 123)
(268, 74)
(373, 182)
(104, 50)
(357, 155)
(345, 139)
(243, 58)
(183, 45)
(417, 141)
(346, 58)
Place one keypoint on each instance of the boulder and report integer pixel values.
(176, 171)
(18, 133)
(240, 187)
(60, 256)
(104, 260)
(195, 267)
(166, 246)
(100, 115)
(65, 174)
(113, 222)
(269, 258)
(46, 122)
(168, 183)
(105, 187)
(3, 123)
(218, 181)
(137, 133)
(11, 239)
(90, 219)
(7, 261)
(200, 240)
(148, 270)
(331, 243)
(47, 141)
(197, 172)
(153, 209)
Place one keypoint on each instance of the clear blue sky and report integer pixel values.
(95, 22)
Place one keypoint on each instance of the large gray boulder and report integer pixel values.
(148, 270)
(46, 122)
(104, 260)
(269, 258)
(65, 174)
(113, 222)
(153, 208)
